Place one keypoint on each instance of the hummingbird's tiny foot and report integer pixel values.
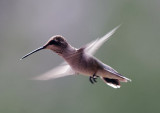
(95, 79)
(91, 80)
(95, 76)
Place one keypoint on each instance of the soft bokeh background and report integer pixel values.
(134, 50)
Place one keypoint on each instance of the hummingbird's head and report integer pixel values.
(56, 43)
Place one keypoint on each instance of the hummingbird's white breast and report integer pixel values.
(82, 63)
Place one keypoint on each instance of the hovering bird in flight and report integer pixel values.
(81, 61)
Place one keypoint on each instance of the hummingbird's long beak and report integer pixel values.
(40, 48)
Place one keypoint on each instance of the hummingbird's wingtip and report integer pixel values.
(118, 26)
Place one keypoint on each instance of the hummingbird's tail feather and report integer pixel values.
(120, 77)
(115, 83)
(114, 74)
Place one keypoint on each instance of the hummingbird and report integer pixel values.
(81, 61)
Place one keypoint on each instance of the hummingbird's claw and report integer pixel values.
(93, 79)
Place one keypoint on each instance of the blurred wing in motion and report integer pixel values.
(60, 71)
(93, 46)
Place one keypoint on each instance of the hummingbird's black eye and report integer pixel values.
(53, 42)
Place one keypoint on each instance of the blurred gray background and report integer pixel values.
(133, 51)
